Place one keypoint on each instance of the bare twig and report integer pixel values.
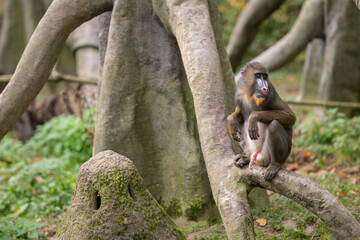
(325, 103)
(56, 76)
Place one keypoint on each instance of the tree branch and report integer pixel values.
(246, 28)
(325, 103)
(56, 76)
(307, 26)
(311, 195)
(41, 53)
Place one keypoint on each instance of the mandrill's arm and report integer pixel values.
(284, 115)
(235, 120)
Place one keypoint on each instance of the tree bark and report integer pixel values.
(311, 195)
(190, 22)
(84, 42)
(340, 79)
(40, 55)
(247, 26)
(12, 28)
(104, 25)
(307, 26)
(33, 10)
(145, 106)
(312, 70)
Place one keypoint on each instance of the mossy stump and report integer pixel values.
(111, 202)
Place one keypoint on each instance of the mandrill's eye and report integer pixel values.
(258, 75)
(265, 76)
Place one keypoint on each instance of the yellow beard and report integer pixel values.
(254, 99)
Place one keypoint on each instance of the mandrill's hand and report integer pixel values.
(253, 129)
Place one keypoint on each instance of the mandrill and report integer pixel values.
(262, 122)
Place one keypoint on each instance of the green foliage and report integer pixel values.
(229, 11)
(174, 208)
(18, 228)
(196, 207)
(37, 179)
(332, 135)
(63, 135)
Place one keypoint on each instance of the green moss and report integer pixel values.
(59, 233)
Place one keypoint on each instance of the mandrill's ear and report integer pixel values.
(242, 71)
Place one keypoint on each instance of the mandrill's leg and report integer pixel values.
(241, 160)
(276, 148)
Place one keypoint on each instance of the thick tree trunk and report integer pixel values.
(12, 28)
(33, 10)
(84, 42)
(312, 70)
(340, 80)
(145, 106)
(104, 25)
(40, 55)
(307, 26)
(247, 26)
(258, 197)
(190, 22)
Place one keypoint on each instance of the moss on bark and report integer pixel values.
(111, 202)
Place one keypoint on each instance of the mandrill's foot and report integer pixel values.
(271, 171)
(241, 160)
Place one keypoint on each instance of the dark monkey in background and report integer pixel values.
(262, 122)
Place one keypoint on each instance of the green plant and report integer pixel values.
(174, 208)
(63, 135)
(333, 134)
(18, 228)
(196, 207)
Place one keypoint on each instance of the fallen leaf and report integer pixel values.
(37, 159)
(261, 221)
(291, 166)
(295, 166)
(340, 172)
(341, 193)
